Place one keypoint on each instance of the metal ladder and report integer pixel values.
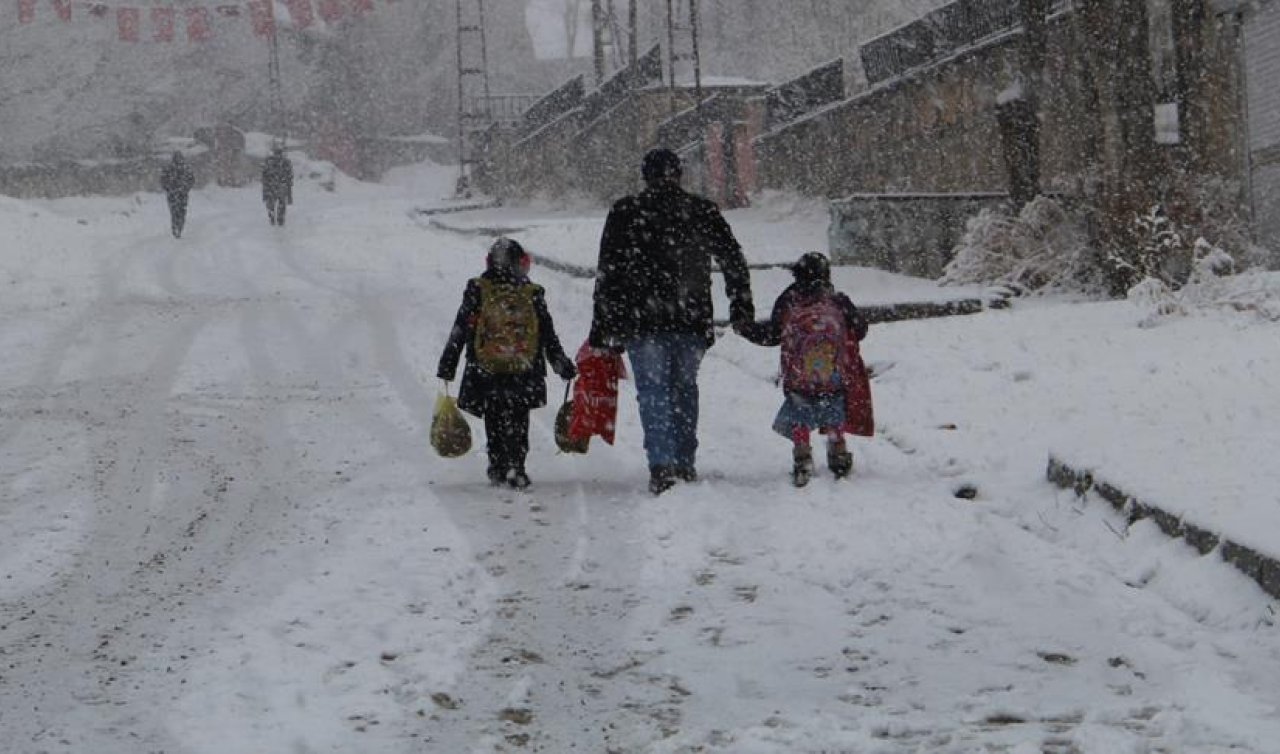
(682, 44)
(474, 112)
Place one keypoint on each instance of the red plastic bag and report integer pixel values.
(595, 394)
(859, 416)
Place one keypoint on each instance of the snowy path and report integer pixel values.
(223, 531)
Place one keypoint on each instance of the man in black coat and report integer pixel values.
(277, 185)
(653, 300)
(177, 181)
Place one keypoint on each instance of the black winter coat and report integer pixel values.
(527, 390)
(177, 179)
(654, 271)
(277, 179)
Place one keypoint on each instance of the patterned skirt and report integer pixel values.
(812, 411)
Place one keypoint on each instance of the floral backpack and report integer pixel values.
(814, 340)
(506, 334)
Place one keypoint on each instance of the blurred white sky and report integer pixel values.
(545, 19)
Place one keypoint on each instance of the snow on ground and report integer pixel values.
(222, 528)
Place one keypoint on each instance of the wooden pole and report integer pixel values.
(633, 40)
(697, 62)
(597, 38)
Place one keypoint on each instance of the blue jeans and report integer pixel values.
(665, 370)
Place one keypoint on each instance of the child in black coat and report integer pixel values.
(508, 335)
(824, 381)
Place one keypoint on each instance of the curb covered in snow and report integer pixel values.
(1263, 569)
(875, 314)
(448, 209)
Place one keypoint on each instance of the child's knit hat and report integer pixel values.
(812, 267)
(508, 254)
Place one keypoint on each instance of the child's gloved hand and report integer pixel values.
(565, 368)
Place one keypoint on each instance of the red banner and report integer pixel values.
(127, 22)
(331, 10)
(300, 13)
(162, 23)
(198, 26)
(261, 15)
(199, 19)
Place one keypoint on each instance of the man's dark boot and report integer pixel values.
(686, 473)
(518, 479)
(802, 470)
(661, 479)
(497, 475)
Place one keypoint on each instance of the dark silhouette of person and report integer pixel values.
(277, 185)
(177, 180)
(653, 300)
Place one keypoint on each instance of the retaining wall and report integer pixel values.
(1262, 568)
(908, 233)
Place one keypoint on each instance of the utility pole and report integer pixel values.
(474, 100)
(697, 62)
(671, 56)
(690, 54)
(598, 25)
(633, 40)
(281, 136)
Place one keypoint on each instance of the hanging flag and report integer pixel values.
(330, 10)
(127, 22)
(300, 13)
(26, 11)
(198, 28)
(360, 7)
(162, 24)
(62, 8)
(260, 13)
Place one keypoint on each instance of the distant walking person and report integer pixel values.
(277, 185)
(653, 300)
(177, 181)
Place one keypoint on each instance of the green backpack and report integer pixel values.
(506, 337)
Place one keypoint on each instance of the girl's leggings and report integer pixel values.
(800, 435)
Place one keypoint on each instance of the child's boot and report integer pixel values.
(802, 471)
(839, 459)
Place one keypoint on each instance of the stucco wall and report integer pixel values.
(935, 130)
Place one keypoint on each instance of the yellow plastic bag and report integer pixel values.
(450, 434)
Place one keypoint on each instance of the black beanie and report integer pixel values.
(812, 268)
(659, 164)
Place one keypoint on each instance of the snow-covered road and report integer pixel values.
(222, 530)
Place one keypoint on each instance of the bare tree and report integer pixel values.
(572, 18)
